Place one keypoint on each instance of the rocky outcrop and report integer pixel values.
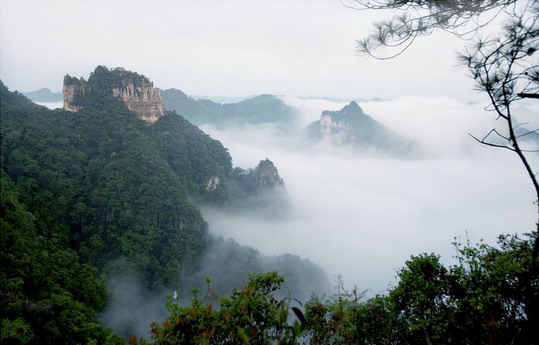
(75, 93)
(213, 183)
(134, 90)
(261, 189)
(336, 126)
(267, 176)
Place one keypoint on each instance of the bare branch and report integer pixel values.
(528, 95)
(481, 141)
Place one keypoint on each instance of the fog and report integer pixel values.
(361, 215)
(51, 105)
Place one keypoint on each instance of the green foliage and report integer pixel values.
(462, 18)
(482, 299)
(194, 157)
(251, 315)
(99, 189)
(109, 192)
(110, 186)
(47, 295)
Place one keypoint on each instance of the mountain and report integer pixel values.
(253, 111)
(133, 89)
(44, 95)
(352, 127)
(102, 194)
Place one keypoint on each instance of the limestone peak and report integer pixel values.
(133, 89)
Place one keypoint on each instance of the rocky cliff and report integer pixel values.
(133, 89)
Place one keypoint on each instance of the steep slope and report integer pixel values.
(351, 126)
(253, 111)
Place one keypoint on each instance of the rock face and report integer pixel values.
(134, 90)
(351, 126)
(336, 126)
(213, 183)
(75, 92)
(260, 189)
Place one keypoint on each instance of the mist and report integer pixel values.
(52, 105)
(361, 215)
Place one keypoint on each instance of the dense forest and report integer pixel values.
(97, 194)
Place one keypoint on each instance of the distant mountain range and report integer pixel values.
(253, 111)
(44, 95)
(349, 126)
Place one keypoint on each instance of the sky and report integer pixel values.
(221, 48)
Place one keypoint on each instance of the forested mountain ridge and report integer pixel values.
(101, 193)
(99, 182)
(253, 111)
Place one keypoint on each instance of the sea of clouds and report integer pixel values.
(361, 216)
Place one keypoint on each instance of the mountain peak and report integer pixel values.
(352, 108)
(133, 89)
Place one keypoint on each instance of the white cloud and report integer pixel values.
(362, 217)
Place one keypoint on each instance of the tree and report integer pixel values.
(251, 315)
(479, 300)
(462, 18)
(505, 66)
(506, 69)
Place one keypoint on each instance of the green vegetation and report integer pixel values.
(98, 194)
(86, 193)
(251, 315)
(97, 181)
(48, 296)
(480, 300)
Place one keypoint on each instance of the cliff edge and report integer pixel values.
(133, 89)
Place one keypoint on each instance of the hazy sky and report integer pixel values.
(220, 48)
